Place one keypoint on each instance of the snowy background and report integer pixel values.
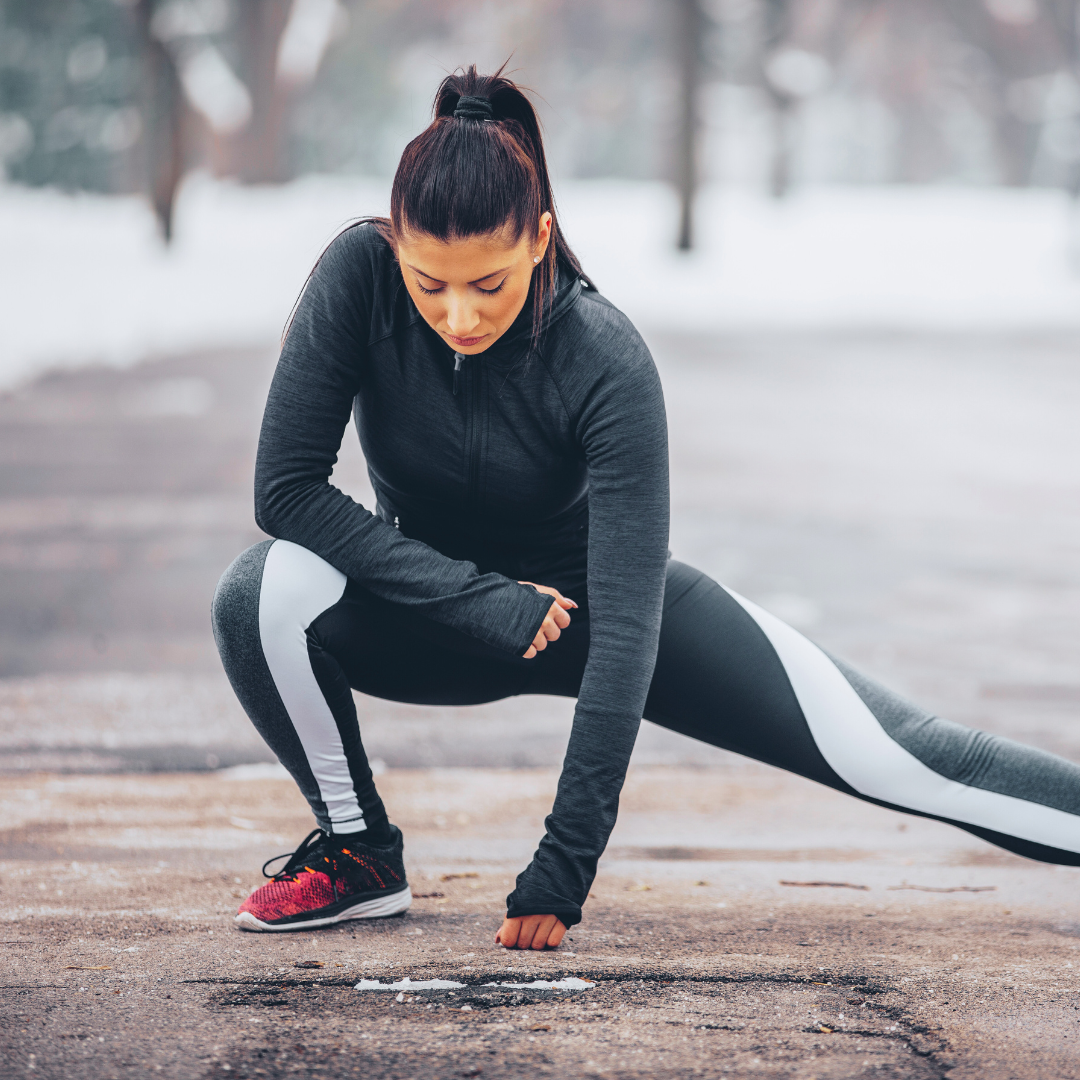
(869, 164)
(869, 355)
(85, 279)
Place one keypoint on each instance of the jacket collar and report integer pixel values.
(514, 345)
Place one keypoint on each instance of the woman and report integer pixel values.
(514, 430)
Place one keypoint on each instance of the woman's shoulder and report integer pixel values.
(358, 274)
(360, 246)
(597, 341)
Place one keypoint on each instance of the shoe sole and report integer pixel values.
(380, 908)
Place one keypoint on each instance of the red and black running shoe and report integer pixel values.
(327, 880)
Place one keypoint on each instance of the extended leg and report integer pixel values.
(735, 676)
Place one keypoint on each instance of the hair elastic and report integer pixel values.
(473, 108)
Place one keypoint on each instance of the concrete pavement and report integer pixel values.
(930, 955)
(909, 502)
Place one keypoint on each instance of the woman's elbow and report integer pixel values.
(267, 512)
(286, 505)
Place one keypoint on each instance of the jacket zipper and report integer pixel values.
(476, 373)
(473, 378)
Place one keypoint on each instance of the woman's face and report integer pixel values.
(470, 291)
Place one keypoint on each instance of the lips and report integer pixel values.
(465, 342)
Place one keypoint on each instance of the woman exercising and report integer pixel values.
(513, 425)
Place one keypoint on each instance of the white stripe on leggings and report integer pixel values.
(862, 752)
(297, 587)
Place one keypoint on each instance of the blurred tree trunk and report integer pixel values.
(163, 105)
(1071, 30)
(776, 24)
(258, 153)
(1017, 52)
(688, 52)
(1067, 15)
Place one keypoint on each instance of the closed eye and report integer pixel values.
(435, 292)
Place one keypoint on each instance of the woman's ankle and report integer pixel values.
(379, 833)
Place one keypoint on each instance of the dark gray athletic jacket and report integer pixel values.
(549, 467)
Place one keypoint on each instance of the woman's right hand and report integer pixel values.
(555, 622)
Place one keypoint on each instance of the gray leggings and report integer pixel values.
(296, 637)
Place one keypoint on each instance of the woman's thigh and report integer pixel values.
(387, 651)
(718, 679)
(734, 676)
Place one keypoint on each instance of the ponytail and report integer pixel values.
(479, 168)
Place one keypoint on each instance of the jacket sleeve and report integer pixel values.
(318, 374)
(624, 435)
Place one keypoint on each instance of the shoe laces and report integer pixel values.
(306, 853)
(317, 847)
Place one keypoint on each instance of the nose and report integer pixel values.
(462, 318)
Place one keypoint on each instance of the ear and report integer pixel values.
(543, 237)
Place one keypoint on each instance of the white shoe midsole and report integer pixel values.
(378, 908)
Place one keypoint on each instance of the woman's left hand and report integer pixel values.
(556, 621)
(531, 932)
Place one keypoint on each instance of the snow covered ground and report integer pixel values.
(84, 279)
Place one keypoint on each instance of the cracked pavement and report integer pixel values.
(122, 958)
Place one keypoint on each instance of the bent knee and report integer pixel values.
(235, 607)
(274, 588)
(296, 586)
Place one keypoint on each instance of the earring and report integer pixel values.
(536, 258)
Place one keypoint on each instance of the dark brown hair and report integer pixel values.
(471, 175)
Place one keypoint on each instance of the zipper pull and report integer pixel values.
(459, 359)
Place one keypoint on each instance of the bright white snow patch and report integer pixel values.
(408, 984)
(542, 984)
(446, 984)
(893, 257)
(84, 278)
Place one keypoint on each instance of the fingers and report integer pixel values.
(534, 931)
(547, 590)
(539, 644)
(555, 622)
(543, 930)
(508, 933)
(512, 931)
(531, 932)
(541, 639)
(528, 928)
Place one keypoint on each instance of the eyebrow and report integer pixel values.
(430, 277)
